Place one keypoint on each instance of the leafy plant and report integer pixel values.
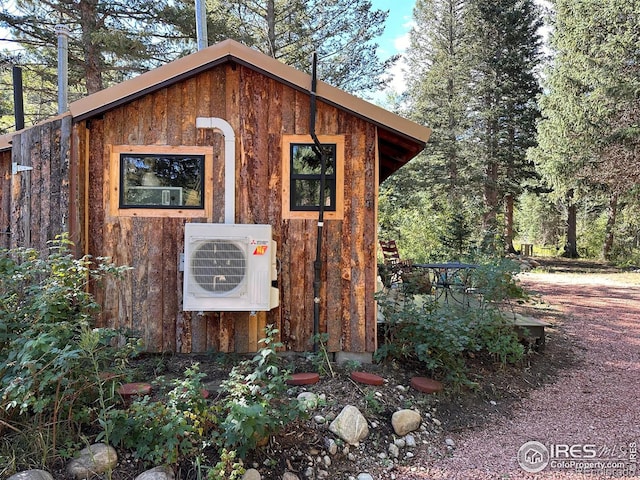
(440, 335)
(227, 467)
(256, 404)
(45, 307)
(168, 430)
(320, 358)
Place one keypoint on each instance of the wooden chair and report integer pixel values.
(394, 267)
(390, 252)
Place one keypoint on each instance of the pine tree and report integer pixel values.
(504, 109)
(589, 137)
(439, 72)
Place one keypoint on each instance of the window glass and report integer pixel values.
(161, 181)
(305, 177)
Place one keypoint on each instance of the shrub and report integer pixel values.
(439, 335)
(45, 310)
(256, 404)
(170, 429)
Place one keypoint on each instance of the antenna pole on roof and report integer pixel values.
(18, 98)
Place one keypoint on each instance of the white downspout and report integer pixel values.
(225, 129)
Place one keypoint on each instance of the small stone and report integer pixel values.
(314, 451)
(34, 474)
(157, 473)
(322, 474)
(394, 451)
(309, 400)
(319, 419)
(308, 472)
(351, 457)
(290, 476)
(408, 455)
(251, 474)
(331, 445)
(364, 476)
(401, 388)
(93, 460)
(374, 424)
(450, 442)
(382, 455)
(350, 425)
(400, 442)
(436, 422)
(326, 461)
(410, 441)
(493, 402)
(405, 421)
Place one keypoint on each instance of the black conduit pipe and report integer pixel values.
(18, 102)
(322, 158)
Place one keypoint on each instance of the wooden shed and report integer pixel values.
(126, 168)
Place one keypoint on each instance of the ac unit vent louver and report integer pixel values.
(229, 267)
(218, 266)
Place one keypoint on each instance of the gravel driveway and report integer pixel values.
(589, 417)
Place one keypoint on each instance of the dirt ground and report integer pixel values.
(452, 416)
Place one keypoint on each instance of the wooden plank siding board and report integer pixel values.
(32, 195)
(41, 199)
(370, 236)
(5, 198)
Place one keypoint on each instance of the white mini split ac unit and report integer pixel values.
(229, 267)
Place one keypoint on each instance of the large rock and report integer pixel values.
(251, 474)
(93, 460)
(405, 421)
(34, 474)
(350, 425)
(157, 473)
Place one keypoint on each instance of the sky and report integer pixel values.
(396, 34)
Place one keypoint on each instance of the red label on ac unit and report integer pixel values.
(260, 250)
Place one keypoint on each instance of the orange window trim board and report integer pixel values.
(114, 181)
(287, 213)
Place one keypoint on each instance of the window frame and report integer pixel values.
(288, 141)
(182, 211)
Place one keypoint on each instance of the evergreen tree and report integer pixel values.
(504, 108)
(439, 72)
(342, 32)
(589, 138)
(472, 68)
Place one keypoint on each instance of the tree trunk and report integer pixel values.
(508, 224)
(571, 247)
(611, 222)
(271, 27)
(93, 61)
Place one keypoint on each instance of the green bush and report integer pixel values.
(46, 313)
(170, 429)
(439, 336)
(256, 404)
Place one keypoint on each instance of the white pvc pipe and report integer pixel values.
(225, 129)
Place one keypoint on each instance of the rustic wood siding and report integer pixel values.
(38, 208)
(5, 198)
(260, 110)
